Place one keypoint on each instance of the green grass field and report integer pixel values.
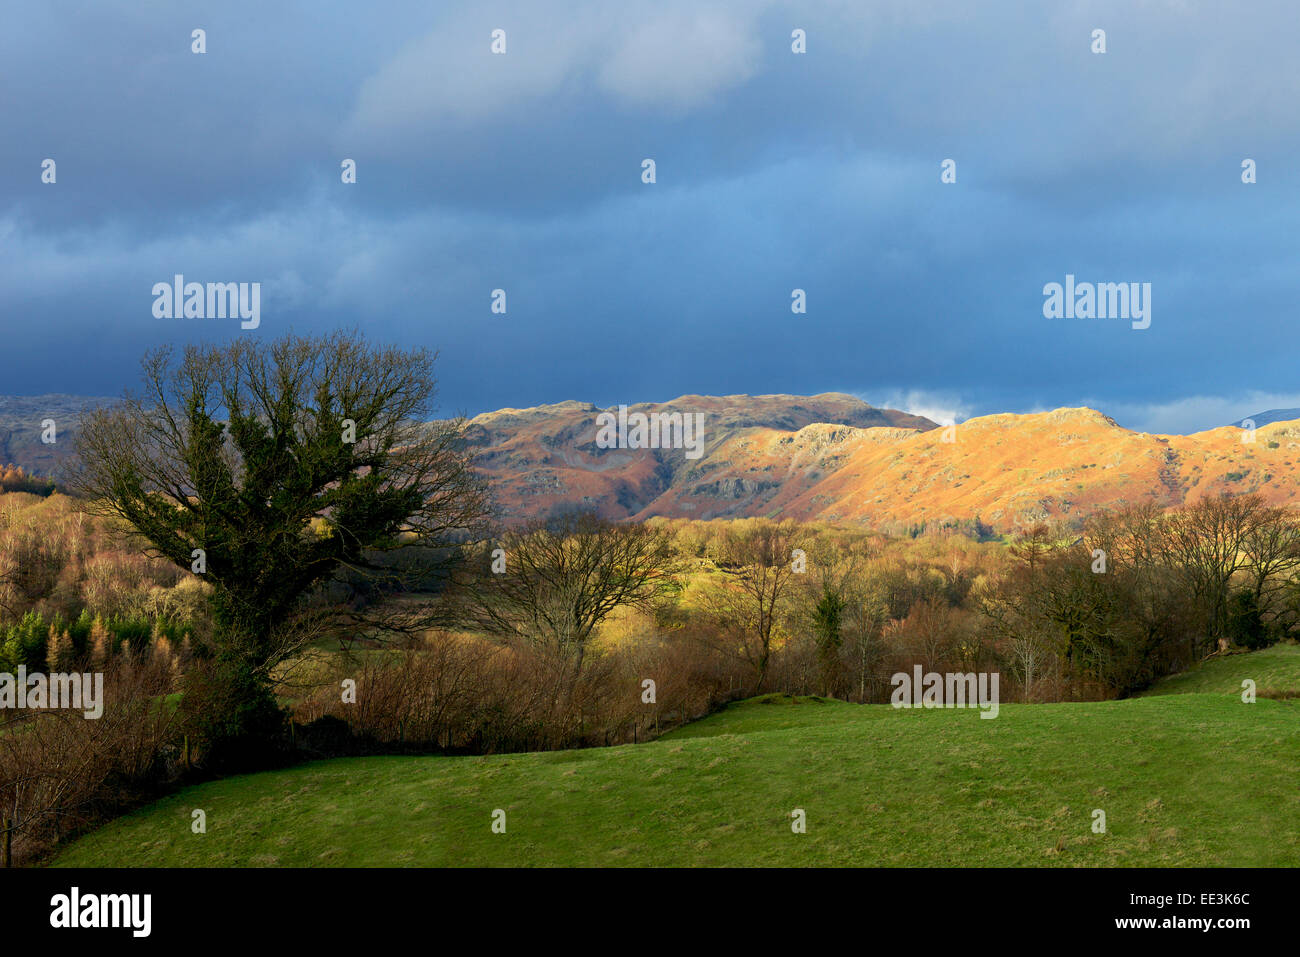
(1275, 671)
(1184, 779)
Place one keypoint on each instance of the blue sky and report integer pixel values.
(775, 171)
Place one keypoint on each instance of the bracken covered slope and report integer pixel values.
(830, 457)
(751, 448)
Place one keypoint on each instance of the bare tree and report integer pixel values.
(1272, 553)
(1208, 542)
(757, 560)
(557, 579)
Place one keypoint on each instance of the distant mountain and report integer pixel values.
(829, 457)
(22, 426)
(1004, 469)
(754, 447)
(503, 436)
(1271, 416)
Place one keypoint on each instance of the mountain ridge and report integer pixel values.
(1267, 417)
(829, 457)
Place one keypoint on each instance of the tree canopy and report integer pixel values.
(276, 469)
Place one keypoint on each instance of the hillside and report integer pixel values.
(753, 447)
(1275, 671)
(21, 428)
(1269, 417)
(1004, 469)
(830, 457)
(1066, 463)
(1185, 780)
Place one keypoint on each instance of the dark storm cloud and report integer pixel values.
(775, 171)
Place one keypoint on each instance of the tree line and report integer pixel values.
(283, 544)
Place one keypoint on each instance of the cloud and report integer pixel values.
(680, 59)
(666, 58)
(943, 408)
(1194, 413)
(776, 171)
(451, 73)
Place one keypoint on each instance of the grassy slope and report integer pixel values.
(1275, 671)
(1189, 779)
